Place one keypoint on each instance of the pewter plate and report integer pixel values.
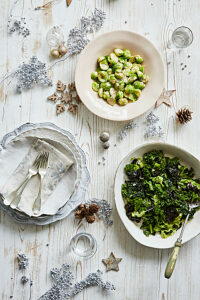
(60, 138)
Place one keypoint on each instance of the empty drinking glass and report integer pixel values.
(83, 245)
(182, 37)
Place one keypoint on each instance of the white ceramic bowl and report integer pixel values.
(104, 44)
(193, 227)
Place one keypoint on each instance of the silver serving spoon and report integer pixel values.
(173, 257)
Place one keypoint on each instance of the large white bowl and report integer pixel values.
(193, 227)
(104, 44)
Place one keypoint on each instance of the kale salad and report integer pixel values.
(158, 191)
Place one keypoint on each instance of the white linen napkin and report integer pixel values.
(58, 164)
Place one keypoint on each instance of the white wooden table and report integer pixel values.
(141, 274)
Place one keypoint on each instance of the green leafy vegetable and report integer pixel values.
(158, 191)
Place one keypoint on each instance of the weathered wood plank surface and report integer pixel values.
(141, 271)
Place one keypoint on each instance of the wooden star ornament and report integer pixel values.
(112, 263)
(165, 98)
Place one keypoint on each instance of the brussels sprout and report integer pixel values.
(132, 97)
(128, 65)
(112, 58)
(125, 79)
(106, 95)
(101, 58)
(119, 95)
(113, 93)
(132, 78)
(119, 75)
(131, 59)
(122, 60)
(109, 71)
(111, 101)
(145, 78)
(127, 72)
(141, 68)
(127, 53)
(106, 86)
(117, 67)
(116, 86)
(129, 89)
(140, 75)
(100, 93)
(135, 68)
(95, 86)
(137, 93)
(138, 59)
(122, 101)
(119, 52)
(139, 85)
(121, 85)
(103, 76)
(126, 95)
(104, 65)
(94, 75)
(112, 79)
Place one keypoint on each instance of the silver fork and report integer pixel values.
(42, 171)
(173, 257)
(33, 170)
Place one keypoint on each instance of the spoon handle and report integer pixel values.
(172, 260)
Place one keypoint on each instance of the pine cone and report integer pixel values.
(81, 207)
(81, 212)
(184, 115)
(90, 219)
(93, 208)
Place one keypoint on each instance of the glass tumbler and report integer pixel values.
(83, 245)
(182, 37)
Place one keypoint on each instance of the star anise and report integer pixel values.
(66, 98)
(60, 108)
(72, 108)
(53, 97)
(60, 86)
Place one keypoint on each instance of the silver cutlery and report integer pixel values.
(173, 257)
(33, 170)
(42, 171)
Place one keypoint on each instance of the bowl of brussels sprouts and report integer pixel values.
(119, 75)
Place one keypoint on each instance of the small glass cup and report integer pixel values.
(182, 37)
(83, 245)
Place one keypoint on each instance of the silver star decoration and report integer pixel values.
(112, 263)
(165, 98)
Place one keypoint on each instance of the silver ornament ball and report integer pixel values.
(106, 145)
(104, 136)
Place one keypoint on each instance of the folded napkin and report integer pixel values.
(58, 165)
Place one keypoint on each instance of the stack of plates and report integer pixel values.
(15, 145)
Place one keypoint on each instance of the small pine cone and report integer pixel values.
(90, 219)
(79, 214)
(93, 208)
(81, 207)
(184, 115)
